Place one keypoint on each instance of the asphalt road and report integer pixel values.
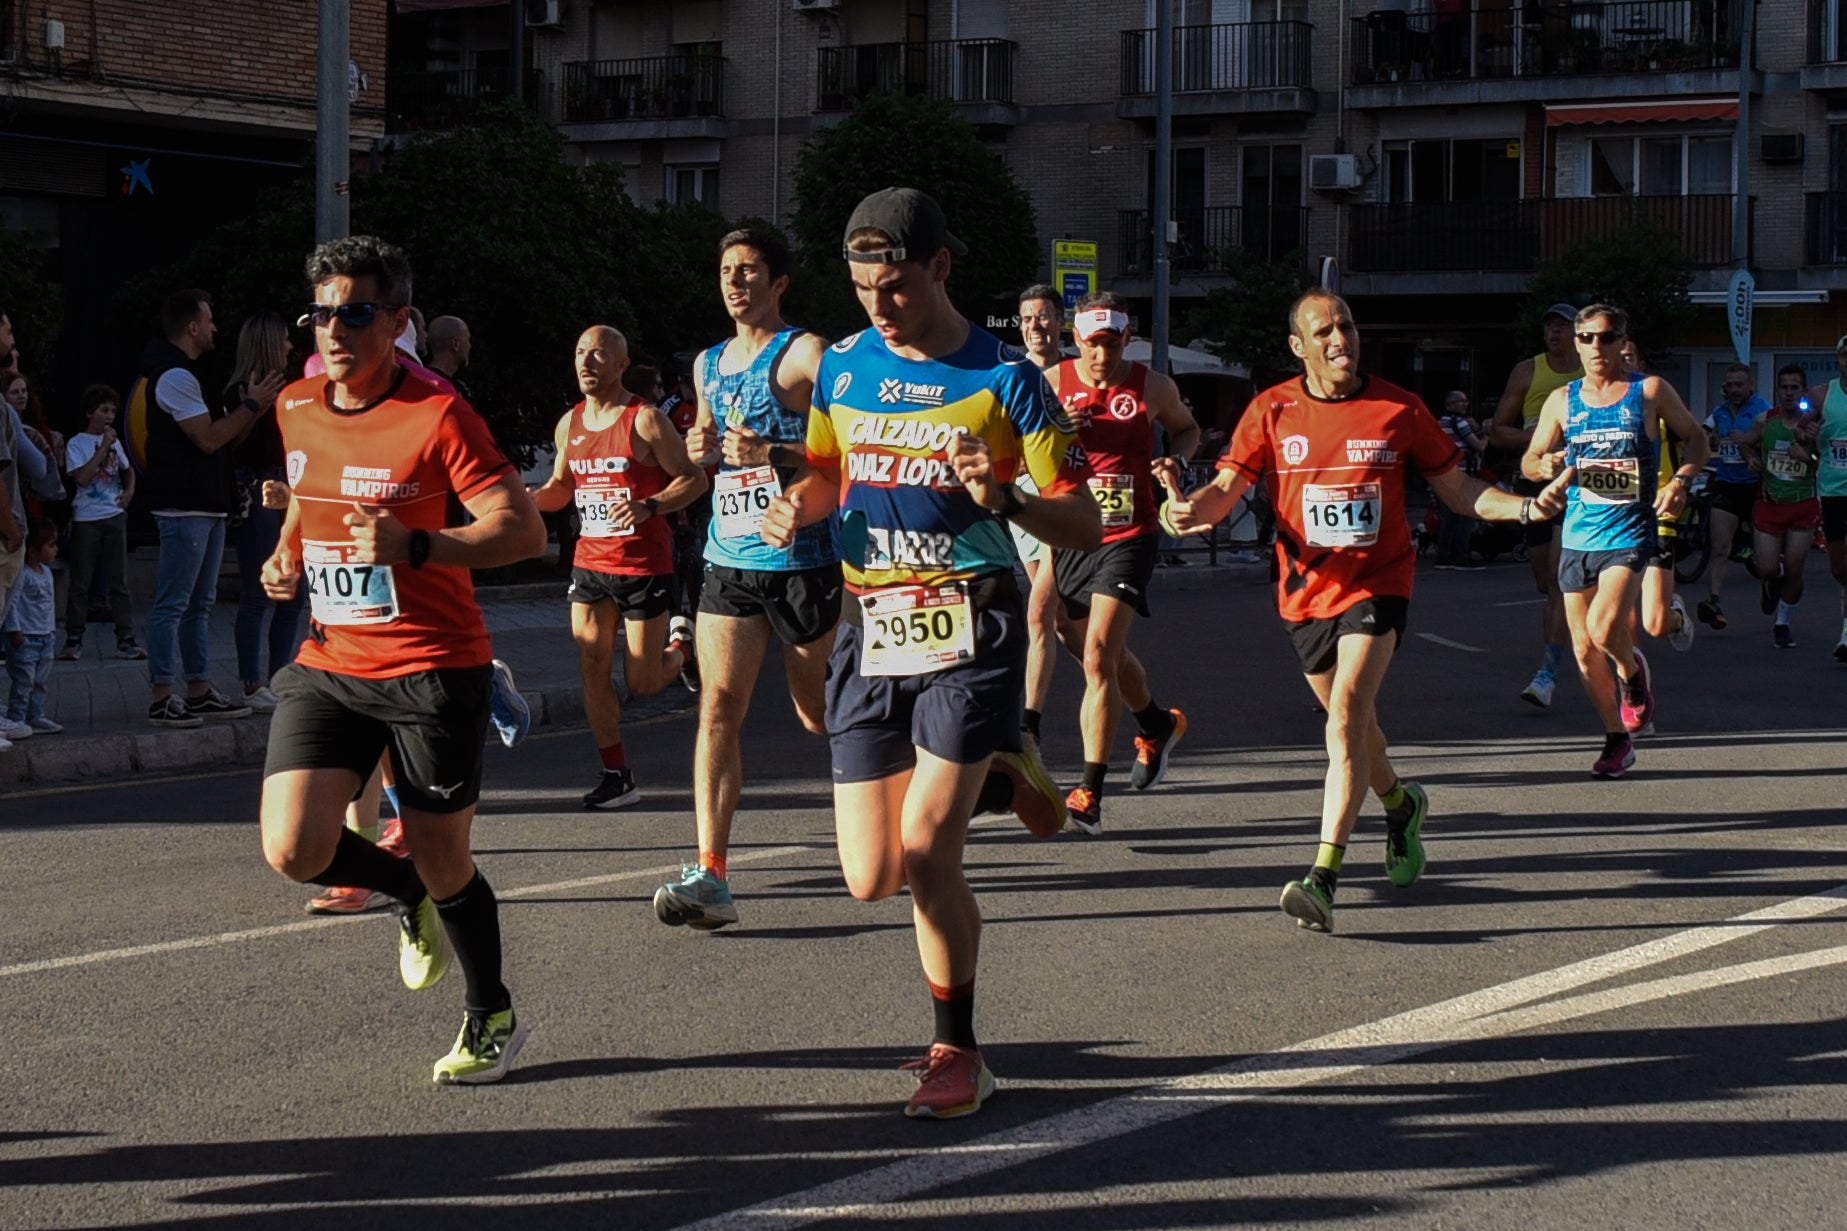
(1605, 1004)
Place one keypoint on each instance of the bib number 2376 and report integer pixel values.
(914, 630)
(741, 497)
(342, 591)
(1341, 515)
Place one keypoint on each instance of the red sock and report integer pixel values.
(714, 861)
(613, 756)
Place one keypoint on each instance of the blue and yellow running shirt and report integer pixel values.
(883, 424)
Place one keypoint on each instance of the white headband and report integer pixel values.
(1092, 321)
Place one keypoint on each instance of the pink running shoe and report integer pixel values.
(1636, 699)
(1618, 756)
(951, 1081)
(344, 900)
(391, 838)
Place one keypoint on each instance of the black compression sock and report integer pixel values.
(1031, 725)
(472, 921)
(996, 794)
(358, 864)
(1094, 773)
(955, 1014)
(1154, 721)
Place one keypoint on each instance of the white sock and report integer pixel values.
(1785, 612)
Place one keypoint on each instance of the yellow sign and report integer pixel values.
(1074, 269)
(1513, 149)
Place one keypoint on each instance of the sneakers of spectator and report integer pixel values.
(215, 704)
(6, 745)
(15, 730)
(260, 699)
(172, 712)
(45, 726)
(72, 651)
(128, 648)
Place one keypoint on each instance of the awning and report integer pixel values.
(428, 6)
(1638, 113)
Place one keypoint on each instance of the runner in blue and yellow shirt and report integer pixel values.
(919, 426)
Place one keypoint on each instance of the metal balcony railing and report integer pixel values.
(1460, 236)
(976, 70)
(1211, 238)
(656, 88)
(1511, 38)
(1248, 55)
(438, 101)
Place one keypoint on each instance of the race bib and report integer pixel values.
(1783, 466)
(914, 630)
(1730, 454)
(1341, 515)
(342, 591)
(1610, 480)
(595, 506)
(1115, 496)
(740, 498)
(1837, 453)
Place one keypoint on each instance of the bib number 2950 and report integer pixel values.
(914, 630)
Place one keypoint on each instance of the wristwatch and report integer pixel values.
(652, 505)
(1014, 506)
(419, 549)
(1681, 479)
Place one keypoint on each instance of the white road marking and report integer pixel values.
(1454, 645)
(308, 925)
(1504, 1009)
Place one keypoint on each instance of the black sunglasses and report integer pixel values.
(1604, 338)
(352, 315)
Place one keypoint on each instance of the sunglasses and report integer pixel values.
(352, 315)
(1603, 338)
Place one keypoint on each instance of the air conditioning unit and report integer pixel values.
(1782, 147)
(1333, 172)
(815, 6)
(545, 14)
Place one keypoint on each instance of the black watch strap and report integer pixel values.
(1014, 506)
(419, 548)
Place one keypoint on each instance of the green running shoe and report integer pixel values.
(485, 1050)
(1404, 846)
(1311, 906)
(423, 950)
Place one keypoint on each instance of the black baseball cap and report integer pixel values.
(1562, 309)
(912, 219)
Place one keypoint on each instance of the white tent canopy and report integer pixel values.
(1180, 358)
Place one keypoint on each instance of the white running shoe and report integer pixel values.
(1682, 637)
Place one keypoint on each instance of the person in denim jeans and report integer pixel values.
(255, 524)
(31, 632)
(189, 489)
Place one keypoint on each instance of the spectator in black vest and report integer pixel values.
(449, 342)
(190, 488)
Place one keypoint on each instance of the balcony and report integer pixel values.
(1515, 236)
(976, 75)
(1238, 68)
(1212, 239)
(657, 97)
(1826, 67)
(1496, 51)
(439, 101)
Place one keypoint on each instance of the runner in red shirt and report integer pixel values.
(398, 660)
(624, 466)
(1333, 446)
(1115, 405)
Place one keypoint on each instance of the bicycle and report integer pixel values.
(1693, 533)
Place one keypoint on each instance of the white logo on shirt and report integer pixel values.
(891, 390)
(841, 384)
(297, 464)
(1295, 450)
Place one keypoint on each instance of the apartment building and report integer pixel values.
(1439, 151)
(128, 128)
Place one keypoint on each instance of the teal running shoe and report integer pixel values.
(699, 899)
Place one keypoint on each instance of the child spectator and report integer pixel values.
(105, 484)
(31, 625)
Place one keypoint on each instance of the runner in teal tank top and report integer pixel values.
(1609, 424)
(1830, 401)
(1782, 449)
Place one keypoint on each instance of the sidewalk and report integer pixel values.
(102, 700)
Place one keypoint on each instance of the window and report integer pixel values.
(693, 185)
(1471, 169)
(1677, 166)
(1272, 198)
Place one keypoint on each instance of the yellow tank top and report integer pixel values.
(1545, 380)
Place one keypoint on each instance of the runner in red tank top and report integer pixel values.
(625, 468)
(1116, 405)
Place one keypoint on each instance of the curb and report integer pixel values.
(48, 759)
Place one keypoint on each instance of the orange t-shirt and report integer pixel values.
(1336, 472)
(415, 453)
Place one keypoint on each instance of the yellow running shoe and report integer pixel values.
(485, 1050)
(423, 950)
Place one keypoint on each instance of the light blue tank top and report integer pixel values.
(746, 399)
(1612, 504)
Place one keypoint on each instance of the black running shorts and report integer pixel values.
(1579, 570)
(432, 722)
(1120, 570)
(637, 596)
(802, 605)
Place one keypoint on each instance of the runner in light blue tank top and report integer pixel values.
(746, 399)
(1612, 504)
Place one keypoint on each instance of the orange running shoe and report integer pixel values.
(1151, 755)
(391, 838)
(344, 900)
(951, 1081)
(1084, 810)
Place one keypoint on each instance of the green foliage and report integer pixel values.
(502, 231)
(892, 140)
(1248, 323)
(1640, 267)
(31, 303)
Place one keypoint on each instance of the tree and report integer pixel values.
(1248, 323)
(891, 140)
(1640, 267)
(31, 303)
